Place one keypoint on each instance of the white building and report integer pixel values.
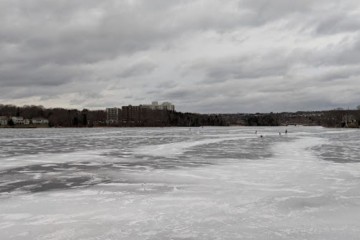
(17, 120)
(168, 106)
(39, 121)
(3, 121)
(156, 106)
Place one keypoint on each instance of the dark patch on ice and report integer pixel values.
(53, 167)
(56, 176)
(338, 153)
(342, 147)
(301, 203)
(162, 163)
(249, 149)
(47, 177)
(42, 185)
(55, 141)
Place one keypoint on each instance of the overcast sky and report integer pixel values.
(207, 56)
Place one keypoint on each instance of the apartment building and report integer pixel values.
(113, 115)
(156, 106)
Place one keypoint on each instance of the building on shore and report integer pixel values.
(131, 115)
(4, 121)
(39, 121)
(156, 106)
(14, 121)
(143, 116)
(153, 114)
(113, 115)
(17, 120)
(168, 106)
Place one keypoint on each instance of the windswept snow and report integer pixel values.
(180, 183)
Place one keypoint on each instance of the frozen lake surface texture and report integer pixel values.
(179, 183)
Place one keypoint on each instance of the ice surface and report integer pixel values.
(180, 183)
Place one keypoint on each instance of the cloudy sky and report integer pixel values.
(202, 55)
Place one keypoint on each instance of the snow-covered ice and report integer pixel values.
(180, 183)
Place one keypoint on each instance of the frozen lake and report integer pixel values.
(180, 183)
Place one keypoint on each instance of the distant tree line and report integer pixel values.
(333, 118)
(195, 120)
(341, 118)
(135, 116)
(60, 117)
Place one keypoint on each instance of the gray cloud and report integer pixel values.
(265, 11)
(340, 22)
(140, 68)
(213, 56)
